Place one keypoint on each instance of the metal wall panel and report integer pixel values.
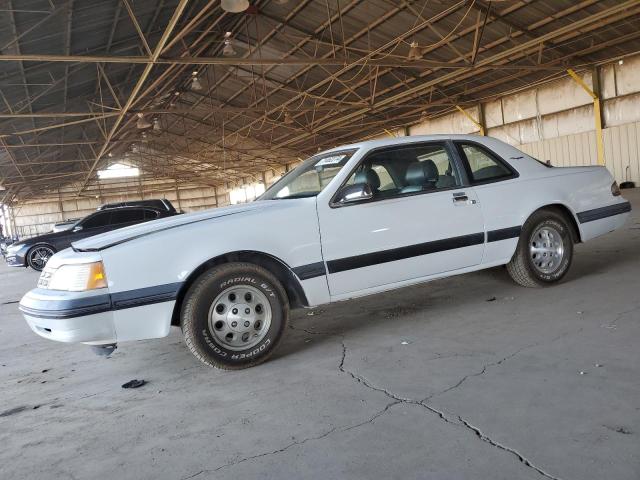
(621, 150)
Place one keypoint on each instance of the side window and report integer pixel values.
(97, 220)
(386, 182)
(426, 168)
(127, 216)
(407, 169)
(150, 214)
(482, 165)
(376, 175)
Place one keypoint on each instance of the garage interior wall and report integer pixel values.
(38, 216)
(552, 121)
(555, 121)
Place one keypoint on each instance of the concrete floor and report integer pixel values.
(434, 381)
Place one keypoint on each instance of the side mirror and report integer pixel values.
(354, 193)
(77, 228)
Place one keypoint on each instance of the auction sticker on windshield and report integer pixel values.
(333, 160)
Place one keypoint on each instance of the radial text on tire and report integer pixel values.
(234, 315)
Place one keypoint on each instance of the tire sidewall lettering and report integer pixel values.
(206, 339)
(255, 351)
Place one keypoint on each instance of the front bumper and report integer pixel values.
(17, 258)
(70, 316)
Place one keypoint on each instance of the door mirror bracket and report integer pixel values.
(353, 193)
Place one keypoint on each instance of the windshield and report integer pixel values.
(310, 178)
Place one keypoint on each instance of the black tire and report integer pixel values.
(522, 267)
(35, 257)
(198, 332)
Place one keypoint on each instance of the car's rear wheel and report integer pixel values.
(39, 255)
(234, 315)
(545, 250)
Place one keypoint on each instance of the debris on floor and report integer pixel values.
(620, 429)
(135, 383)
(13, 411)
(491, 299)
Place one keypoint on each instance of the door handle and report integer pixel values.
(461, 198)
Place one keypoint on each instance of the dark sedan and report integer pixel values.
(35, 252)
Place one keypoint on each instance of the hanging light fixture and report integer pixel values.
(156, 125)
(234, 6)
(288, 119)
(196, 86)
(414, 52)
(142, 122)
(228, 50)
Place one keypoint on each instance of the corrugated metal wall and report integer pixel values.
(555, 121)
(621, 150)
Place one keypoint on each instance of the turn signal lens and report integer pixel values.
(615, 190)
(97, 277)
(78, 278)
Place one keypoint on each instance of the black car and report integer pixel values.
(35, 252)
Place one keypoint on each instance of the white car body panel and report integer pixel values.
(378, 226)
(148, 266)
(284, 229)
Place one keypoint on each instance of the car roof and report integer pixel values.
(128, 207)
(385, 142)
(159, 203)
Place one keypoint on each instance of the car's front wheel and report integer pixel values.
(234, 315)
(38, 256)
(545, 250)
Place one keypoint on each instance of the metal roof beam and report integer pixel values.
(136, 89)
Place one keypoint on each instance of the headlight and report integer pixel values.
(74, 278)
(14, 247)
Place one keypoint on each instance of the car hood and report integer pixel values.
(116, 237)
(46, 238)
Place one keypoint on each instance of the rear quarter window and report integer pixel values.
(483, 165)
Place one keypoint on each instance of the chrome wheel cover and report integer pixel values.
(546, 249)
(39, 256)
(240, 317)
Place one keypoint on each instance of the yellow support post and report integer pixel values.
(597, 113)
(473, 120)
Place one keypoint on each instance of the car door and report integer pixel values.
(420, 221)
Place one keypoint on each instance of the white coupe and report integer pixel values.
(348, 222)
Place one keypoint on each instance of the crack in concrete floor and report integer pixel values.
(442, 415)
(462, 422)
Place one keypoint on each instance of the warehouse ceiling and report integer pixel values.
(187, 91)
